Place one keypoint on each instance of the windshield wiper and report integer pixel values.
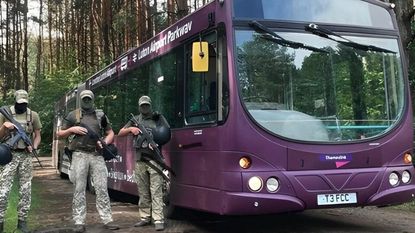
(325, 33)
(268, 34)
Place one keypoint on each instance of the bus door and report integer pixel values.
(205, 108)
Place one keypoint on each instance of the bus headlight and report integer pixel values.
(406, 177)
(272, 184)
(255, 184)
(393, 179)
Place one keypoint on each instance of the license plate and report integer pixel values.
(336, 199)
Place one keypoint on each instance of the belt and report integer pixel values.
(19, 150)
(86, 150)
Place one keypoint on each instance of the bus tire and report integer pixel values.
(170, 211)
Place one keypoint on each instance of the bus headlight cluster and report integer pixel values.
(395, 178)
(256, 184)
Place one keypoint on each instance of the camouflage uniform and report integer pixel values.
(85, 158)
(149, 182)
(150, 188)
(22, 164)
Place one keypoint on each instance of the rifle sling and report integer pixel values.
(155, 168)
(159, 162)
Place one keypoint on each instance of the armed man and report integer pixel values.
(85, 157)
(21, 162)
(148, 171)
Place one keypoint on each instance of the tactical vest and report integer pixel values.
(98, 113)
(84, 142)
(27, 125)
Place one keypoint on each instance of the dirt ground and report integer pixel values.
(54, 215)
(55, 211)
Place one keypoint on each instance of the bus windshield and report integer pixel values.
(331, 93)
(350, 12)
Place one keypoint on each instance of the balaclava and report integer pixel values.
(87, 101)
(144, 104)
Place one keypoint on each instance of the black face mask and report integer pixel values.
(20, 108)
(87, 104)
(145, 109)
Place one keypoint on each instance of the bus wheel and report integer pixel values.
(170, 211)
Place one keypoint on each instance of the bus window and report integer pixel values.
(100, 94)
(136, 86)
(201, 88)
(162, 86)
(115, 103)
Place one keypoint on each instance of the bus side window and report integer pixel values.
(201, 91)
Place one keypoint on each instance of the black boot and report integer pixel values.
(21, 225)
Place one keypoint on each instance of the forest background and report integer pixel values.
(50, 46)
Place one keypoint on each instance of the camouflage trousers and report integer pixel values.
(82, 164)
(22, 165)
(150, 191)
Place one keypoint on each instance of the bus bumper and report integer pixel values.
(252, 204)
(392, 196)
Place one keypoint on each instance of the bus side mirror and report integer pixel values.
(200, 56)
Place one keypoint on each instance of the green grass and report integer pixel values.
(410, 206)
(10, 220)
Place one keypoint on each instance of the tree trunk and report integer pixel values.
(404, 13)
(148, 8)
(141, 12)
(25, 44)
(182, 8)
(16, 45)
(39, 41)
(92, 56)
(106, 14)
(50, 28)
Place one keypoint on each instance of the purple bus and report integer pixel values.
(274, 106)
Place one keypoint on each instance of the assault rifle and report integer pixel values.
(21, 134)
(155, 153)
(109, 150)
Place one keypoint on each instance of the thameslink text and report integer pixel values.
(336, 157)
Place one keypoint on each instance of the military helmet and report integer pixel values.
(161, 134)
(5, 154)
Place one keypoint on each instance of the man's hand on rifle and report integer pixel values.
(134, 130)
(30, 149)
(79, 130)
(151, 147)
(8, 125)
(99, 145)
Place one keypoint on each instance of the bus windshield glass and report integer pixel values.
(350, 12)
(333, 92)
